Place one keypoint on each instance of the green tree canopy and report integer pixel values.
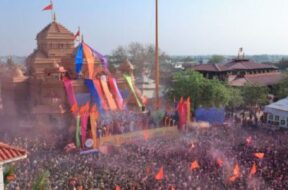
(216, 59)
(203, 92)
(254, 95)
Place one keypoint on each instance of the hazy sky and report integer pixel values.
(187, 27)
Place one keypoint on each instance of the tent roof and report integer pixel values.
(9, 153)
(281, 105)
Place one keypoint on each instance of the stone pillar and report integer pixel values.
(1, 177)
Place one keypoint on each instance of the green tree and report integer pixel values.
(141, 56)
(203, 92)
(254, 95)
(216, 59)
(280, 90)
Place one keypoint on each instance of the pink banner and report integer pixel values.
(84, 122)
(70, 92)
(116, 93)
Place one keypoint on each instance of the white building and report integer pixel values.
(277, 113)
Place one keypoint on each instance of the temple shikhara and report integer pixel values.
(61, 73)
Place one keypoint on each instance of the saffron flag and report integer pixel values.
(117, 187)
(194, 165)
(89, 59)
(253, 170)
(48, 7)
(160, 174)
(236, 173)
(259, 155)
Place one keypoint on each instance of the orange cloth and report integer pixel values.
(253, 170)
(259, 155)
(89, 59)
(160, 174)
(194, 165)
(108, 95)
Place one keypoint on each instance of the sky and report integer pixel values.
(186, 27)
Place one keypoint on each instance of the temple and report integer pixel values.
(241, 71)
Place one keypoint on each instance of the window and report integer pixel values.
(283, 122)
(276, 118)
(271, 117)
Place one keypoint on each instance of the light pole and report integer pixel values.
(157, 73)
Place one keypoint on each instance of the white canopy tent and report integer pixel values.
(277, 113)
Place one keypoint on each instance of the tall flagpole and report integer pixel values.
(53, 16)
(157, 73)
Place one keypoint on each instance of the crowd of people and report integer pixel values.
(134, 165)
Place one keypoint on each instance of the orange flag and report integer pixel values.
(253, 170)
(117, 187)
(146, 135)
(259, 155)
(84, 109)
(160, 174)
(236, 173)
(74, 108)
(194, 165)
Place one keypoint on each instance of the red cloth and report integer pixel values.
(49, 7)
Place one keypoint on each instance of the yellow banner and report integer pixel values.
(134, 136)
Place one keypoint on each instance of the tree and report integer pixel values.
(216, 59)
(254, 95)
(141, 56)
(203, 92)
(280, 90)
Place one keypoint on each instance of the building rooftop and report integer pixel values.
(235, 64)
(10, 153)
(262, 79)
(54, 31)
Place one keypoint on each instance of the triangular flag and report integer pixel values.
(117, 187)
(236, 173)
(74, 108)
(48, 7)
(77, 34)
(194, 165)
(160, 174)
(253, 170)
(259, 155)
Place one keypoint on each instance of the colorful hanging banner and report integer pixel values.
(84, 121)
(130, 84)
(116, 93)
(93, 122)
(108, 94)
(95, 95)
(103, 59)
(78, 131)
(89, 59)
(101, 94)
(79, 59)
